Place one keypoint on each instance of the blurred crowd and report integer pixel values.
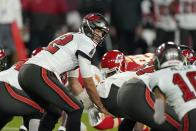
(136, 26)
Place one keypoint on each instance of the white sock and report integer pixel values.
(23, 127)
(34, 124)
(83, 127)
(61, 128)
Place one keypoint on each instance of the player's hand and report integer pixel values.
(159, 119)
(105, 111)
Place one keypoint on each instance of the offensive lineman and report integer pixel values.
(11, 94)
(174, 83)
(125, 95)
(142, 111)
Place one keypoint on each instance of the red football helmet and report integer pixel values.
(188, 53)
(112, 62)
(37, 50)
(3, 59)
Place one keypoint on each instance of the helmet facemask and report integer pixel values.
(109, 72)
(94, 22)
(112, 62)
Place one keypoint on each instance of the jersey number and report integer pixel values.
(178, 80)
(62, 40)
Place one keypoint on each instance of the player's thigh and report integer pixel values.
(14, 101)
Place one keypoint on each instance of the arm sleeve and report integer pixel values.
(153, 82)
(85, 48)
(85, 67)
(159, 107)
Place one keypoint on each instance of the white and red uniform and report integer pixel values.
(67, 46)
(178, 85)
(133, 62)
(107, 87)
(65, 53)
(104, 87)
(105, 122)
(12, 94)
(10, 76)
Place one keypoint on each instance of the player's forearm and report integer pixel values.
(159, 108)
(93, 94)
(75, 85)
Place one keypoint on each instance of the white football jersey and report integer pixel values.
(104, 86)
(10, 76)
(61, 54)
(178, 83)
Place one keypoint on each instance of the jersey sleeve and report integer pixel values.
(85, 49)
(85, 67)
(153, 81)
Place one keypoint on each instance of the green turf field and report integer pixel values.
(15, 123)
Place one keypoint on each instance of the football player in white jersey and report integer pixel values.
(174, 83)
(126, 95)
(37, 76)
(109, 91)
(11, 94)
(106, 122)
(97, 77)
